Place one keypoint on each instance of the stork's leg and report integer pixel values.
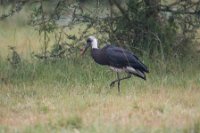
(118, 80)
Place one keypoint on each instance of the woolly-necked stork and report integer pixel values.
(118, 59)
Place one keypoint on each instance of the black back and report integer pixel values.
(100, 57)
(117, 57)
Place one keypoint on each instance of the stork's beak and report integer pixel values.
(84, 49)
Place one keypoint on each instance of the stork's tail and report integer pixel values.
(136, 72)
(140, 75)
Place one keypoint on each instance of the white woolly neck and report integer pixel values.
(94, 42)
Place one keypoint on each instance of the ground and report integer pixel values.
(32, 108)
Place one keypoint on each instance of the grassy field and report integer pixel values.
(73, 95)
(56, 108)
(163, 104)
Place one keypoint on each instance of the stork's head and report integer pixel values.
(91, 42)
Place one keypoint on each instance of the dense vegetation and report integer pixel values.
(153, 28)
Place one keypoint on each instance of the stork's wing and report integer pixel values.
(119, 57)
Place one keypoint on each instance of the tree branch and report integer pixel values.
(122, 10)
(18, 7)
(167, 9)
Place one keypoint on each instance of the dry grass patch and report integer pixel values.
(173, 108)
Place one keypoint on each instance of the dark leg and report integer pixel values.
(118, 80)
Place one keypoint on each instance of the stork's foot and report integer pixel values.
(112, 84)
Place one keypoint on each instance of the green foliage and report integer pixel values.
(40, 21)
(147, 30)
(144, 32)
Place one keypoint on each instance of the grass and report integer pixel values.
(44, 108)
(73, 95)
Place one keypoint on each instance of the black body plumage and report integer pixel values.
(119, 58)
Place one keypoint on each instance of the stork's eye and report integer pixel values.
(89, 40)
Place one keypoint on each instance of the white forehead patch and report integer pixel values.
(92, 37)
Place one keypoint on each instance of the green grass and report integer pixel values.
(73, 95)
